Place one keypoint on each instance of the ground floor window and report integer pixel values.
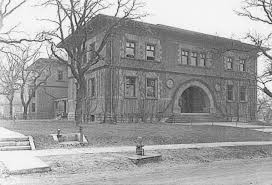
(130, 86)
(151, 88)
(230, 93)
(242, 93)
(33, 108)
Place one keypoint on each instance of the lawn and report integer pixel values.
(126, 134)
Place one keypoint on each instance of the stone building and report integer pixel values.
(50, 99)
(157, 72)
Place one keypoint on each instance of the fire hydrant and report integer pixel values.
(139, 146)
(58, 133)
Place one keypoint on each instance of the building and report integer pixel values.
(158, 72)
(50, 99)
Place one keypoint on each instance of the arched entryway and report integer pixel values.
(194, 100)
(193, 97)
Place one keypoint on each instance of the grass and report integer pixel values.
(126, 134)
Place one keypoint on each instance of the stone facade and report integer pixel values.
(170, 76)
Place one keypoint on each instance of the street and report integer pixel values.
(232, 172)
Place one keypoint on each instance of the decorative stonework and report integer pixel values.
(170, 83)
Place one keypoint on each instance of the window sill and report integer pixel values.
(200, 67)
(243, 101)
(133, 98)
(230, 101)
(150, 98)
(141, 60)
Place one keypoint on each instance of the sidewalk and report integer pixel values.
(120, 149)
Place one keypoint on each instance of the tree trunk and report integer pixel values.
(80, 96)
(10, 109)
(25, 113)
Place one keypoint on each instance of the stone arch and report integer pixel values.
(193, 83)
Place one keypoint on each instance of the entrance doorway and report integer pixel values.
(194, 100)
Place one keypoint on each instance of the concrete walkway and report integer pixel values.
(5, 133)
(119, 149)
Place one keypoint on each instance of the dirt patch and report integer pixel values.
(100, 163)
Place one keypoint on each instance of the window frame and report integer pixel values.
(33, 108)
(243, 64)
(150, 50)
(128, 47)
(193, 55)
(230, 61)
(245, 93)
(92, 87)
(135, 87)
(183, 51)
(155, 88)
(91, 53)
(60, 79)
(202, 58)
(232, 92)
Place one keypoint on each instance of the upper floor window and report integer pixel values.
(230, 93)
(91, 52)
(32, 92)
(184, 57)
(229, 63)
(91, 87)
(130, 49)
(202, 60)
(193, 59)
(130, 86)
(60, 75)
(151, 88)
(242, 65)
(150, 52)
(242, 93)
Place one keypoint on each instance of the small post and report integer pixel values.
(139, 146)
(81, 134)
(58, 134)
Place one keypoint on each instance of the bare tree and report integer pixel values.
(32, 74)
(260, 11)
(9, 79)
(73, 29)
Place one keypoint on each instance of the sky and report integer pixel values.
(216, 17)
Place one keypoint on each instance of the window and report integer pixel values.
(202, 60)
(130, 86)
(31, 91)
(242, 65)
(151, 88)
(150, 52)
(60, 75)
(230, 92)
(91, 51)
(242, 93)
(130, 49)
(184, 57)
(33, 108)
(193, 59)
(229, 64)
(91, 87)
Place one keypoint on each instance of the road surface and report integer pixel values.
(232, 172)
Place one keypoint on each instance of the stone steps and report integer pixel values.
(13, 148)
(188, 118)
(11, 144)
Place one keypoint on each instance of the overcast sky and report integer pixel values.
(216, 17)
